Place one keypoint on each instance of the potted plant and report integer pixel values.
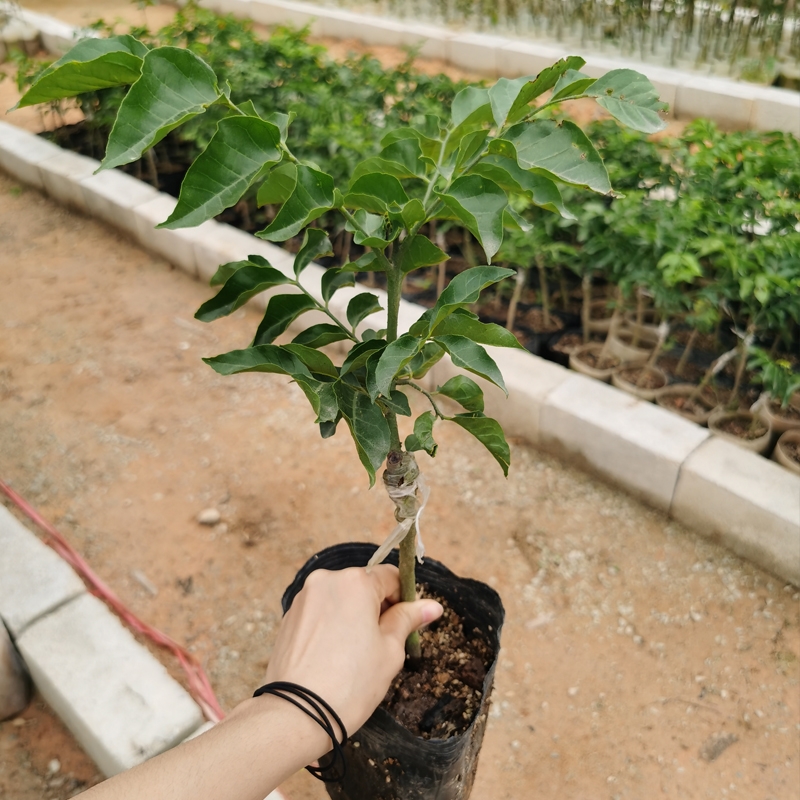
(495, 142)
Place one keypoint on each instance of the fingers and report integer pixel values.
(387, 583)
(403, 618)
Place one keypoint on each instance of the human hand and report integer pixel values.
(344, 638)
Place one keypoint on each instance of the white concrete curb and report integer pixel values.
(737, 497)
(729, 102)
(117, 700)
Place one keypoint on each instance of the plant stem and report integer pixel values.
(408, 585)
(512, 306)
(586, 305)
(544, 292)
(687, 352)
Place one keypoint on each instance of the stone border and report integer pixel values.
(738, 498)
(731, 103)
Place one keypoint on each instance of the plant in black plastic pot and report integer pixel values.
(464, 168)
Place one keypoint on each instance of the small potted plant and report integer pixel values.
(495, 144)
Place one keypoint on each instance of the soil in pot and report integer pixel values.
(559, 346)
(683, 399)
(621, 344)
(533, 320)
(781, 419)
(434, 755)
(787, 451)
(589, 359)
(743, 428)
(643, 382)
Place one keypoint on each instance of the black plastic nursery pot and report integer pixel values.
(386, 761)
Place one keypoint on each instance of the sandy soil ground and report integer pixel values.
(633, 650)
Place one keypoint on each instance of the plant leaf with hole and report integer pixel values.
(225, 170)
(631, 98)
(561, 151)
(174, 87)
(489, 433)
(90, 65)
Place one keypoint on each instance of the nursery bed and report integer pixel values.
(630, 643)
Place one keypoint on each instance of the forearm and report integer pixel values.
(245, 757)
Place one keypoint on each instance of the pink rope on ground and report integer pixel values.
(199, 685)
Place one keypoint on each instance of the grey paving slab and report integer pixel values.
(632, 443)
(62, 172)
(21, 153)
(118, 701)
(177, 246)
(33, 578)
(746, 502)
(112, 196)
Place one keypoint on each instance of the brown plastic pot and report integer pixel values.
(619, 379)
(620, 343)
(685, 390)
(593, 348)
(781, 452)
(385, 761)
(760, 445)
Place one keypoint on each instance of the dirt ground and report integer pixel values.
(633, 650)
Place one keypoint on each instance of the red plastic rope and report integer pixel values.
(199, 685)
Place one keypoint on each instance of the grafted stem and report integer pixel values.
(402, 470)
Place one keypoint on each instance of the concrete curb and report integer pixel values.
(723, 491)
(729, 102)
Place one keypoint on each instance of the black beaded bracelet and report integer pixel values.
(284, 690)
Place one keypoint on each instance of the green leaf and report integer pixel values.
(224, 271)
(282, 311)
(396, 355)
(361, 306)
(90, 65)
(631, 98)
(174, 87)
(316, 362)
(376, 164)
(420, 365)
(278, 186)
(398, 403)
(507, 174)
(514, 219)
(369, 229)
(311, 197)
(264, 358)
(368, 427)
(562, 151)
(422, 438)
(460, 324)
(359, 354)
(375, 193)
(510, 97)
(413, 213)
(280, 120)
(571, 84)
(427, 146)
(470, 146)
(418, 252)
(334, 279)
(315, 244)
(464, 391)
(368, 262)
(225, 170)
(468, 101)
(320, 335)
(479, 204)
(489, 433)
(468, 355)
(328, 429)
(244, 283)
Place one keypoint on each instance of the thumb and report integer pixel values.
(403, 618)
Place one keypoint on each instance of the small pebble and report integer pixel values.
(209, 516)
(53, 767)
(572, 691)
